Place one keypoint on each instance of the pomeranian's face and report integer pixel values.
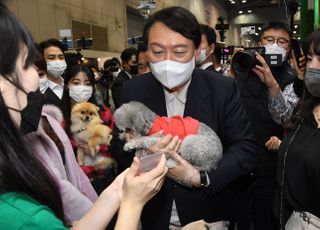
(86, 112)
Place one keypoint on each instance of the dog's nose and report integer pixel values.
(87, 118)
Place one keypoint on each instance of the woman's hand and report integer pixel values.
(85, 148)
(273, 143)
(139, 188)
(298, 66)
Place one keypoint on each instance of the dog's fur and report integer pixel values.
(87, 128)
(134, 121)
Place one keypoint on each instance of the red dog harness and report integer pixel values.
(176, 125)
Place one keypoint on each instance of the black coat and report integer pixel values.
(117, 87)
(215, 101)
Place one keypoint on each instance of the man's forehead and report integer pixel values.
(278, 32)
(159, 32)
(53, 50)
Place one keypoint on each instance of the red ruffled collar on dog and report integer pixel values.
(176, 125)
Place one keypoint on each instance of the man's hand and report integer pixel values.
(184, 173)
(265, 75)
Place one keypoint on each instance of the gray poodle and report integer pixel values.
(203, 148)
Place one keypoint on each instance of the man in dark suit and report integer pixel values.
(53, 53)
(207, 48)
(176, 87)
(130, 68)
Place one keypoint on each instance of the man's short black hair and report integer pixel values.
(276, 25)
(113, 62)
(177, 19)
(51, 42)
(128, 53)
(209, 32)
(142, 47)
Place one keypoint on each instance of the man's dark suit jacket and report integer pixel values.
(215, 101)
(53, 99)
(117, 87)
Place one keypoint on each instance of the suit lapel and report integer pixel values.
(198, 104)
(154, 97)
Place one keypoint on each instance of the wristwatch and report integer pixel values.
(204, 179)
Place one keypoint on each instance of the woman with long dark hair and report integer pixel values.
(30, 196)
(298, 176)
(80, 87)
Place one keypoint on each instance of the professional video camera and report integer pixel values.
(110, 68)
(244, 61)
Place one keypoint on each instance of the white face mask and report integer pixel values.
(80, 93)
(172, 74)
(43, 84)
(115, 74)
(202, 57)
(275, 49)
(56, 68)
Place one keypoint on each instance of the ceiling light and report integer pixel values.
(294, 32)
(259, 28)
(249, 11)
(233, 2)
(240, 12)
(244, 1)
(295, 26)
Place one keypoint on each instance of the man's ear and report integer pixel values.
(211, 48)
(124, 65)
(197, 53)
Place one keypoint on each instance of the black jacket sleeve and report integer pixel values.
(241, 154)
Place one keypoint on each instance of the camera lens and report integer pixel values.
(244, 61)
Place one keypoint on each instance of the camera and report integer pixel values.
(110, 66)
(225, 53)
(244, 61)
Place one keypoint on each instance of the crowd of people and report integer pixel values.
(267, 119)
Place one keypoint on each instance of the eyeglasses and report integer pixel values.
(280, 41)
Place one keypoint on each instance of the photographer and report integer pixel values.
(259, 83)
(104, 82)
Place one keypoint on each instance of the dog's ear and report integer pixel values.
(97, 108)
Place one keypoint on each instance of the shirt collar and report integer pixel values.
(53, 85)
(206, 65)
(181, 96)
(130, 76)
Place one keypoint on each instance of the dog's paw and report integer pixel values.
(171, 163)
(93, 151)
(129, 146)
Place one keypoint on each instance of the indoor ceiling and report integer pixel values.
(239, 4)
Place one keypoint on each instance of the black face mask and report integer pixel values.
(30, 115)
(134, 69)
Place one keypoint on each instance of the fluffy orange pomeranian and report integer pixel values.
(87, 128)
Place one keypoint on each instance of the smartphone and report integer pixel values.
(149, 162)
(296, 47)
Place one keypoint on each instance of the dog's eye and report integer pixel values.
(90, 114)
(128, 130)
(82, 112)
